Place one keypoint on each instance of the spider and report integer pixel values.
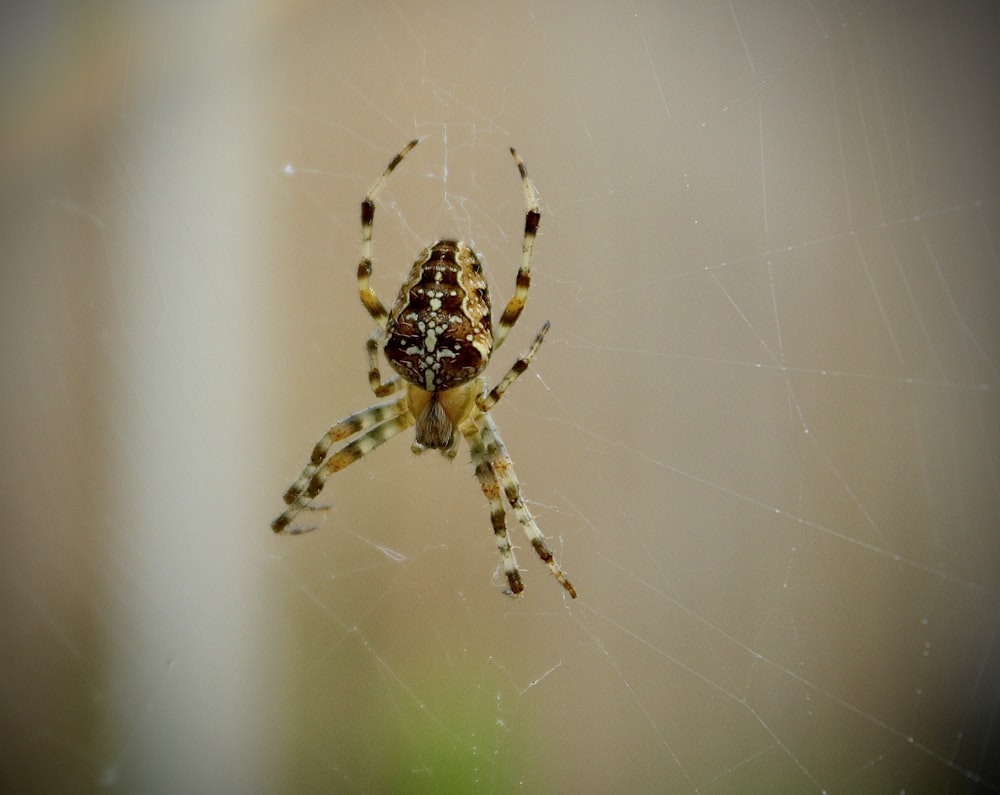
(438, 337)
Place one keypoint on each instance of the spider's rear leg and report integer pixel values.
(368, 297)
(523, 283)
(378, 386)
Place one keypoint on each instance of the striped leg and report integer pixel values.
(371, 301)
(349, 426)
(379, 387)
(315, 475)
(488, 482)
(531, 219)
(486, 402)
(503, 467)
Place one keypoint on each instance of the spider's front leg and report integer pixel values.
(503, 470)
(495, 471)
(491, 488)
(388, 418)
(347, 427)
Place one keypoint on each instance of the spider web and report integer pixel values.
(761, 436)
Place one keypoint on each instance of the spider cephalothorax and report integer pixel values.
(438, 337)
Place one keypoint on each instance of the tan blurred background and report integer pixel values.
(762, 436)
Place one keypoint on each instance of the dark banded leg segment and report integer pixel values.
(378, 386)
(315, 476)
(368, 297)
(347, 427)
(486, 402)
(531, 220)
(503, 469)
(488, 482)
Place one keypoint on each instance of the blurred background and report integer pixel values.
(762, 435)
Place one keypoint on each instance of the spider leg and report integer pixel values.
(486, 402)
(349, 426)
(503, 467)
(488, 482)
(379, 387)
(368, 297)
(392, 417)
(531, 219)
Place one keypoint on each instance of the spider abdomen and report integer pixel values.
(439, 333)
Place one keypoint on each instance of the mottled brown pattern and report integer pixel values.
(439, 333)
